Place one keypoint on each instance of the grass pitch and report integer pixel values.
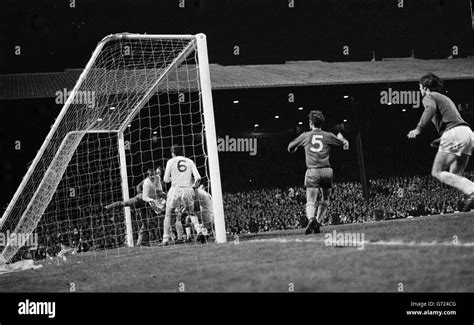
(427, 254)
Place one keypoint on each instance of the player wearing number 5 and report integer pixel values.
(317, 146)
(184, 177)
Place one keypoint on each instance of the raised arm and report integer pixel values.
(345, 142)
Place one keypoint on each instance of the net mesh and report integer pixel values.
(149, 89)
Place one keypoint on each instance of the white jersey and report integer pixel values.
(151, 188)
(180, 172)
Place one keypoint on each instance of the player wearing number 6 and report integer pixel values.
(184, 177)
(317, 146)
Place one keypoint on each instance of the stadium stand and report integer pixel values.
(390, 198)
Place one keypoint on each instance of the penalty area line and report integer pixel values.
(375, 243)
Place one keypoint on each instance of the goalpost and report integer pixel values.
(137, 97)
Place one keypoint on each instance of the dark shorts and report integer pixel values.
(318, 177)
(136, 202)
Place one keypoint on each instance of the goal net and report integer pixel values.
(137, 97)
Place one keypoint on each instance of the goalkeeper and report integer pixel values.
(148, 190)
(136, 201)
(153, 191)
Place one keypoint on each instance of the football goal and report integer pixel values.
(137, 97)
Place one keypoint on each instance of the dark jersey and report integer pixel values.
(317, 147)
(441, 110)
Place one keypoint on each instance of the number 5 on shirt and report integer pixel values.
(315, 141)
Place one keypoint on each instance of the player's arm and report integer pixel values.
(428, 113)
(345, 142)
(160, 190)
(167, 177)
(140, 187)
(296, 143)
(162, 183)
(196, 175)
(338, 140)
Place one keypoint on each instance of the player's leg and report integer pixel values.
(178, 223)
(142, 213)
(311, 183)
(311, 195)
(179, 228)
(326, 176)
(128, 203)
(443, 162)
(459, 165)
(188, 228)
(167, 225)
(139, 214)
(115, 205)
(452, 157)
(323, 205)
(192, 200)
(145, 217)
(140, 235)
(205, 212)
(171, 204)
(441, 171)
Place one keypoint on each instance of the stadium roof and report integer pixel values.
(291, 74)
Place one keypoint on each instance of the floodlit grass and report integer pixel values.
(277, 261)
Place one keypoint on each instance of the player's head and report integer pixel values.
(177, 150)
(150, 172)
(158, 171)
(430, 82)
(316, 119)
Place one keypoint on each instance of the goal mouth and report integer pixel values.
(137, 97)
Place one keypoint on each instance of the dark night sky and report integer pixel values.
(54, 36)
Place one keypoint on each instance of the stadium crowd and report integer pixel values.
(261, 210)
(389, 198)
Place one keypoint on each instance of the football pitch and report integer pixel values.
(426, 254)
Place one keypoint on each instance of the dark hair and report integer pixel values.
(432, 82)
(316, 118)
(149, 171)
(177, 150)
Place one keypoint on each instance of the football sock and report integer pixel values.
(310, 210)
(179, 229)
(188, 232)
(322, 209)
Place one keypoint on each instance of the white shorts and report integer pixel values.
(457, 141)
(180, 197)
